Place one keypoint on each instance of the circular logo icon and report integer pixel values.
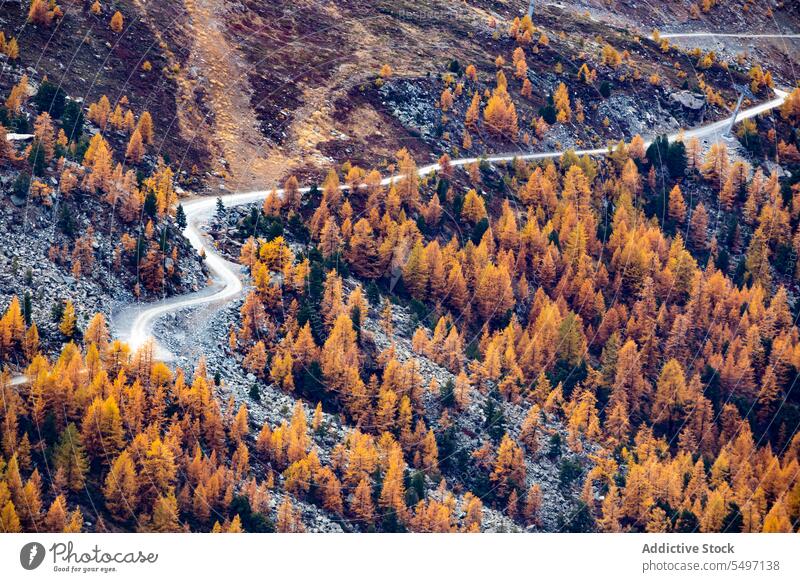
(31, 555)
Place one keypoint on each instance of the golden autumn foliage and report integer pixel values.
(116, 23)
(562, 104)
(654, 388)
(39, 13)
(500, 113)
(790, 110)
(135, 149)
(100, 111)
(145, 127)
(611, 57)
(486, 315)
(18, 95)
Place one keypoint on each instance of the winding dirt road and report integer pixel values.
(134, 323)
(726, 35)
